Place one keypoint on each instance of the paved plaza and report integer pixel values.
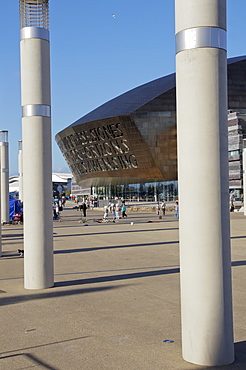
(116, 300)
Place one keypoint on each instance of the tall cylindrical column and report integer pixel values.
(4, 148)
(205, 260)
(20, 169)
(36, 136)
(244, 176)
(0, 224)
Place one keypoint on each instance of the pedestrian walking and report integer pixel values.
(88, 203)
(55, 215)
(105, 216)
(117, 209)
(163, 208)
(83, 208)
(158, 207)
(124, 210)
(57, 211)
(113, 207)
(176, 212)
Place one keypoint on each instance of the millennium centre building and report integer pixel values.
(128, 146)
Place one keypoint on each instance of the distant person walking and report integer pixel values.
(83, 208)
(88, 203)
(117, 209)
(113, 207)
(55, 215)
(63, 201)
(176, 213)
(158, 208)
(57, 209)
(124, 211)
(163, 208)
(105, 216)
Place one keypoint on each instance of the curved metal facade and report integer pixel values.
(132, 138)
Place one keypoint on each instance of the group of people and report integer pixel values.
(89, 202)
(86, 204)
(118, 210)
(161, 209)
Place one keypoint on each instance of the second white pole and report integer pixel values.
(4, 150)
(205, 261)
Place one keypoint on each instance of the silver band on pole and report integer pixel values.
(3, 143)
(34, 33)
(31, 110)
(201, 37)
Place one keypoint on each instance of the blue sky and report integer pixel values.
(96, 57)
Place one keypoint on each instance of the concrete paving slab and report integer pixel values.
(116, 296)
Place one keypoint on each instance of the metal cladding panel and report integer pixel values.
(131, 100)
(108, 151)
(237, 85)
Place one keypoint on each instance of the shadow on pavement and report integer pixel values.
(11, 236)
(134, 275)
(113, 232)
(52, 294)
(76, 250)
(238, 263)
(33, 359)
(102, 279)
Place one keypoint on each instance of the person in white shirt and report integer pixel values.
(113, 211)
(105, 213)
(117, 209)
(163, 208)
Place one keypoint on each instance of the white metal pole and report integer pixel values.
(20, 169)
(244, 176)
(4, 148)
(205, 260)
(36, 135)
(0, 223)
